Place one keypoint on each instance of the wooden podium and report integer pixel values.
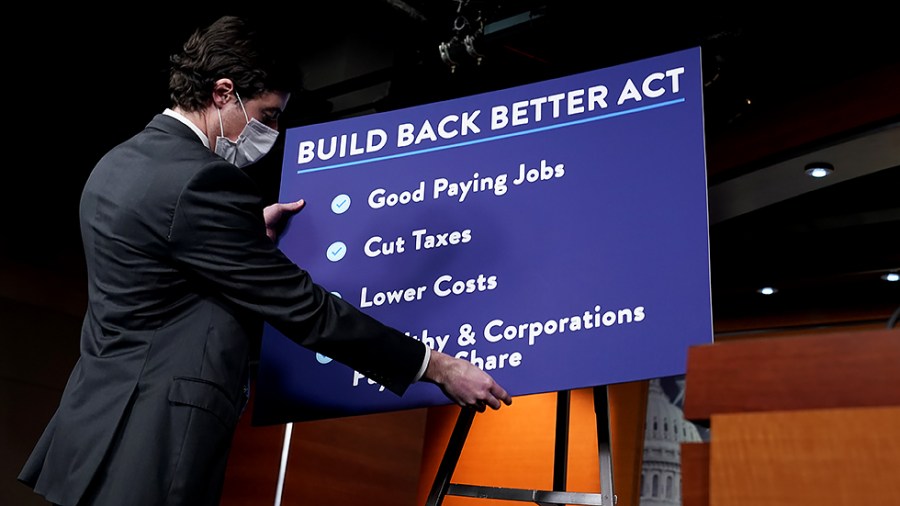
(795, 421)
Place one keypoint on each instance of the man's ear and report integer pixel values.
(223, 89)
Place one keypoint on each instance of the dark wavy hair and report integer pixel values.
(231, 47)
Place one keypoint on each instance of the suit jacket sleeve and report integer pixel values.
(217, 234)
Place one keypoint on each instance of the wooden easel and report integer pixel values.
(558, 496)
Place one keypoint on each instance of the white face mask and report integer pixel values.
(252, 144)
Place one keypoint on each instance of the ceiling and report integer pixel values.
(780, 91)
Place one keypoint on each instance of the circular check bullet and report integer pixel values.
(340, 203)
(336, 251)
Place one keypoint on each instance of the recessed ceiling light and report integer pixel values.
(891, 276)
(767, 290)
(818, 169)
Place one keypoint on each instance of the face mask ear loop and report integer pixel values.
(247, 118)
(221, 126)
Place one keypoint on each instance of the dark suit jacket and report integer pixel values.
(181, 276)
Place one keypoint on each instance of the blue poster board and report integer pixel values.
(554, 234)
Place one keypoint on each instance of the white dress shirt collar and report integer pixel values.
(181, 118)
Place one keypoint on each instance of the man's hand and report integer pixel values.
(464, 383)
(275, 216)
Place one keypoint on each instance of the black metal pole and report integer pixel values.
(451, 457)
(561, 450)
(601, 408)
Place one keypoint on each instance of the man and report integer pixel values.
(183, 270)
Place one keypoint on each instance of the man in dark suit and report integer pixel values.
(183, 270)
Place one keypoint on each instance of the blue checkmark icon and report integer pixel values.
(336, 251)
(340, 204)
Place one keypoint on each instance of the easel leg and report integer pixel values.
(561, 451)
(601, 408)
(556, 497)
(451, 457)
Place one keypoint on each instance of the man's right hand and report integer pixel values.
(464, 383)
(276, 216)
